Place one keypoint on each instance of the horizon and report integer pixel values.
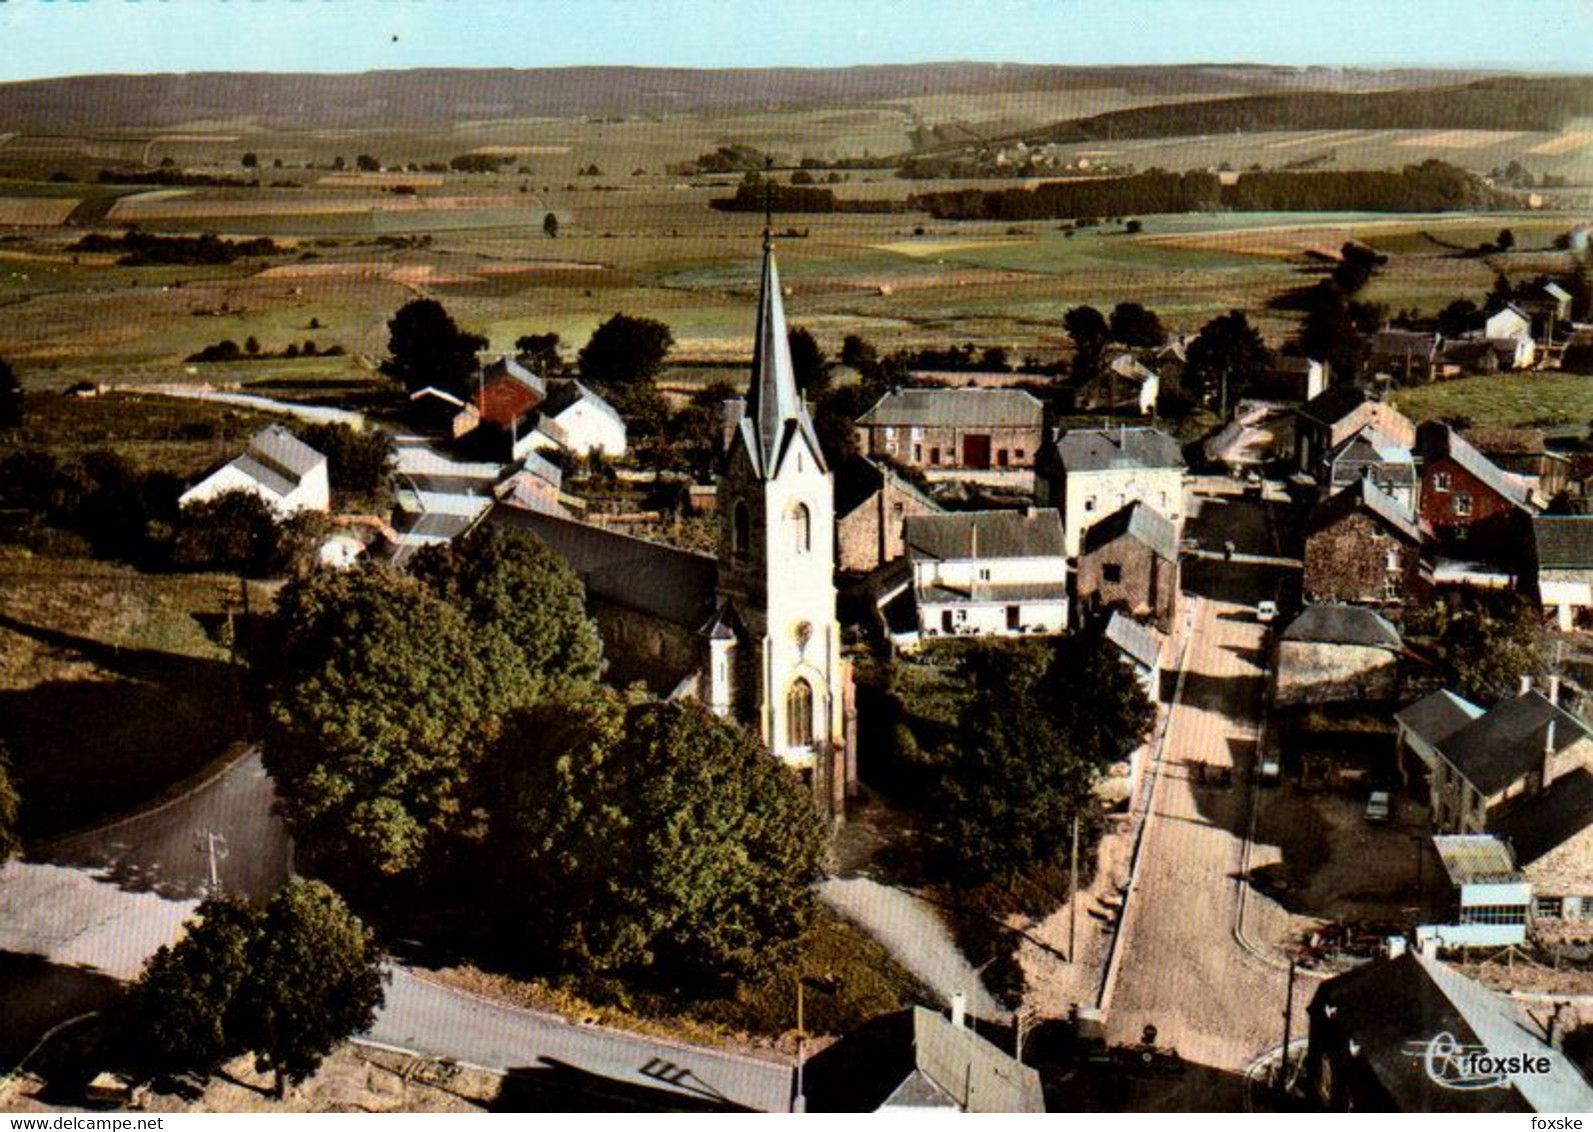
(135, 37)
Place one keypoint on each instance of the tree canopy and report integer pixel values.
(1136, 326)
(654, 840)
(809, 361)
(1225, 358)
(11, 397)
(540, 353)
(1486, 642)
(357, 461)
(10, 810)
(286, 983)
(425, 347)
(625, 351)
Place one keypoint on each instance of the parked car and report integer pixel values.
(1266, 611)
(1271, 772)
(1379, 807)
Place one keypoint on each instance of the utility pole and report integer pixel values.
(1073, 894)
(213, 846)
(1288, 1030)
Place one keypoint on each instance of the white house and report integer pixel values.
(577, 420)
(988, 573)
(281, 469)
(1092, 473)
(1514, 328)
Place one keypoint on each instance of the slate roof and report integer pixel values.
(1507, 742)
(1544, 823)
(985, 534)
(1364, 494)
(1112, 449)
(1391, 1009)
(1437, 441)
(1564, 542)
(858, 478)
(1139, 521)
(1436, 717)
(1140, 643)
(1403, 344)
(278, 449)
(674, 585)
(566, 391)
(1334, 403)
(1476, 858)
(956, 408)
(1335, 624)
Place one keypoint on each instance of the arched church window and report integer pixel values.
(740, 531)
(801, 528)
(799, 714)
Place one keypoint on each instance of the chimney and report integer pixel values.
(1548, 753)
(1394, 946)
(1553, 693)
(1526, 684)
(959, 1010)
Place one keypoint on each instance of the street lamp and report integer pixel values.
(827, 984)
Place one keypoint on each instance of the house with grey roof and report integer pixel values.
(1328, 420)
(1362, 546)
(1372, 454)
(1088, 474)
(1562, 566)
(278, 467)
(919, 1061)
(1141, 646)
(576, 419)
(1129, 561)
(1476, 510)
(1334, 654)
(1395, 1035)
(1124, 385)
(952, 433)
(988, 573)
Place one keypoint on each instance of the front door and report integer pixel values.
(945, 621)
(976, 451)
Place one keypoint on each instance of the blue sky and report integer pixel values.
(62, 37)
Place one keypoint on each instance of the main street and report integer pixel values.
(1183, 969)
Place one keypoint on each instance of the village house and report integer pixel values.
(1336, 653)
(1409, 356)
(536, 484)
(988, 573)
(1129, 561)
(1370, 454)
(1562, 566)
(1525, 454)
(578, 421)
(1141, 646)
(1089, 474)
(1552, 841)
(872, 503)
(437, 412)
(1475, 510)
(1327, 421)
(280, 469)
(1386, 1037)
(1511, 329)
(1293, 379)
(954, 431)
(1124, 385)
(1362, 546)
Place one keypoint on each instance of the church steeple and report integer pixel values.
(774, 407)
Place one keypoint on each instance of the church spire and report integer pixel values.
(772, 400)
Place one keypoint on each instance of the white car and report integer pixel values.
(1266, 612)
(1379, 807)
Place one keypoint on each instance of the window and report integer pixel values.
(1089, 503)
(984, 573)
(801, 522)
(918, 453)
(1017, 454)
(1014, 618)
(1440, 481)
(1111, 572)
(1393, 560)
(799, 714)
(1548, 908)
(1494, 914)
(896, 509)
(934, 455)
(741, 532)
(1462, 503)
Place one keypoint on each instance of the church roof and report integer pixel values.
(775, 413)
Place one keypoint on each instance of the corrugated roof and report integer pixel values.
(956, 408)
(1335, 624)
(1564, 542)
(1141, 642)
(1436, 717)
(1476, 858)
(1138, 521)
(1545, 823)
(977, 1075)
(675, 585)
(1436, 441)
(1508, 742)
(985, 534)
(1110, 449)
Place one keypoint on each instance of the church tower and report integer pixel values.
(775, 646)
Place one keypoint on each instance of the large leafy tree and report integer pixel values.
(1225, 358)
(10, 397)
(809, 361)
(514, 584)
(655, 840)
(10, 810)
(356, 461)
(425, 347)
(1137, 326)
(1090, 333)
(625, 351)
(1486, 642)
(381, 697)
(287, 983)
(315, 979)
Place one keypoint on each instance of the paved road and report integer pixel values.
(915, 937)
(316, 414)
(1182, 969)
(431, 1019)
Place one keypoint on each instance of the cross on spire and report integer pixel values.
(768, 203)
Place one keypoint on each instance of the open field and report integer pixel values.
(35, 212)
(1505, 400)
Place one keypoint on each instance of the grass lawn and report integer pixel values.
(112, 684)
(1503, 400)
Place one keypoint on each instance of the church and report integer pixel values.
(750, 631)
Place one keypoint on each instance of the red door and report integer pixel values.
(976, 451)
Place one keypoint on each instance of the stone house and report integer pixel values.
(1562, 566)
(1293, 379)
(1524, 453)
(1324, 423)
(277, 467)
(1409, 355)
(1125, 385)
(1370, 454)
(1476, 510)
(954, 430)
(1337, 654)
(1552, 839)
(1362, 546)
(1129, 561)
(872, 503)
(988, 573)
(1089, 474)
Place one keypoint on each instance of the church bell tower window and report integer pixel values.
(801, 529)
(799, 714)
